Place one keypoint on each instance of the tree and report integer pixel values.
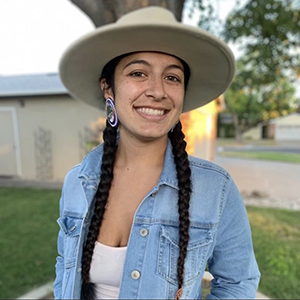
(269, 34)
(250, 102)
(103, 12)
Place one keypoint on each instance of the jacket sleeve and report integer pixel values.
(59, 267)
(233, 264)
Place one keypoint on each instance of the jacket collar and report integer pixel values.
(91, 167)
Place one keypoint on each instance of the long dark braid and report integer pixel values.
(107, 166)
(185, 188)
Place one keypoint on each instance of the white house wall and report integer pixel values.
(288, 128)
(58, 118)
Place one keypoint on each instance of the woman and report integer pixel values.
(139, 217)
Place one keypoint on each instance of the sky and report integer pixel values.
(35, 33)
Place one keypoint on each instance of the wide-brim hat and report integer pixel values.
(211, 62)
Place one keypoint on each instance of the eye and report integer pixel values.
(173, 78)
(137, 74)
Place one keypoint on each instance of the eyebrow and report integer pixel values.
(146, 63)
(141, 61)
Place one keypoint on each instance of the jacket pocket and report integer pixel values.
(71, 227)
(200, 239)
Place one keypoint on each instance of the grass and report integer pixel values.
(220, 142)
(27, 239)
(28, 243)
(276, 239)
(272, 156)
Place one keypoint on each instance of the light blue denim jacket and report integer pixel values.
(219, 231)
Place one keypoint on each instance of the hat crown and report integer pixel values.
(148, 15)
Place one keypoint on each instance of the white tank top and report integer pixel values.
(106, 270)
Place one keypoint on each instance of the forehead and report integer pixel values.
(152, 58)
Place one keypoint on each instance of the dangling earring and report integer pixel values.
(111, 112)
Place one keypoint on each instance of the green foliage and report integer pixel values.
(209, 19)
(252, 101)
(269, 31)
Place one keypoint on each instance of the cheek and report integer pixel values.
(178, 97)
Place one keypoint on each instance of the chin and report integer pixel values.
(153, 137)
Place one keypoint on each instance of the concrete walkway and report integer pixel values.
(45, 290)
(17, 182)
(276, 184)
(41, 292)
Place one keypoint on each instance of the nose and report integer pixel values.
(156, 88)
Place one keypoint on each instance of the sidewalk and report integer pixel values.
(46, 290)
(17, 182)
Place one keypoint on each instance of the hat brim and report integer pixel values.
(211, 62)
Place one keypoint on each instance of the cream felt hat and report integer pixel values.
(211, 62)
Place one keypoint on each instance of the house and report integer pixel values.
(44, 132)
(286, 128)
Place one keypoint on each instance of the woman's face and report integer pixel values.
(149, 94)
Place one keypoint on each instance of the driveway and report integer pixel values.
(277, 180)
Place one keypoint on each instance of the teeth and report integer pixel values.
(150, 111)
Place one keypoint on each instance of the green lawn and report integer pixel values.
(28, 243)
(27, 239)
(272, 156)
(276, 239)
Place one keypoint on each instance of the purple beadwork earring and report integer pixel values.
(111, 112)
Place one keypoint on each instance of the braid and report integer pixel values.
(109, 150)
(185, 188)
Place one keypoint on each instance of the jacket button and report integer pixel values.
(135, 274)
(154, 194)
(144, 232)
(73, 228)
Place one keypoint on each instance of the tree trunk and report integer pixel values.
(238, 129)
(102, 12)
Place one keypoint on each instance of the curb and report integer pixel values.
(260, 295)
(43, 291)
(39, 293)
(208, 277)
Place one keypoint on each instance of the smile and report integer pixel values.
(151, 111)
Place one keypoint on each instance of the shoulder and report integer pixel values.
(213, 189)
(89, 167)
(81, 182)
(200, 166)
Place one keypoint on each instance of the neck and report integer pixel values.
(136, 153)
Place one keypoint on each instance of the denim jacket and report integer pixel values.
(220, 236)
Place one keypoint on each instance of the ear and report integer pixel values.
(106, 89)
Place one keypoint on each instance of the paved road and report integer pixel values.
(279, 180)
(276, 146)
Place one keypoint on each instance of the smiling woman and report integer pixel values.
(139, 218)
(148, 94)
